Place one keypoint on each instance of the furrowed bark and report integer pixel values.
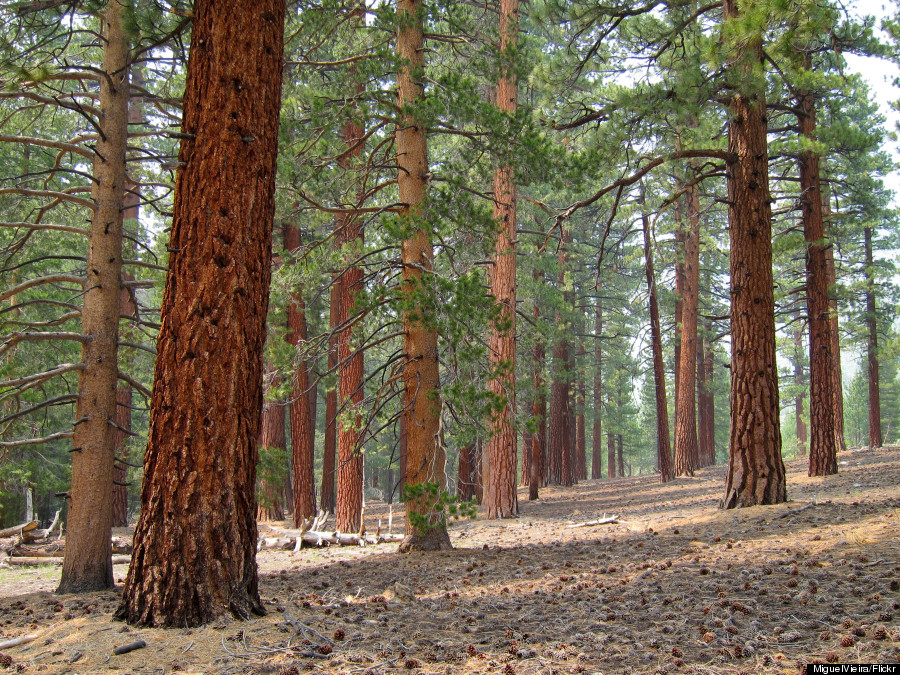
(755, 469)
(500, 496)
(195, 543)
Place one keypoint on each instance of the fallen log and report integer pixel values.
(15, 642)
(605, 520)
(55, 560)
(323, 538)
(18, 530)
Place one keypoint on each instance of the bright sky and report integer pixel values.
(882, 76)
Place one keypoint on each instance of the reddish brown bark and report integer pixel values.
(500, 497)
(271, 504)
(195, 543)
(465, 482)
(621, 453)
(526, 456)
(350, 376)
(686, 450)
(611, 453)
(328, 496)
(706, 411)
(663, 447)
(87, 564)
(679, 288)
(538, 465)
(834, 331)
(426, 528)
(822, 447)
(876, 440)
(580, 432)
(560, 454)
(755, 469)
(597, 435)
(302, 407)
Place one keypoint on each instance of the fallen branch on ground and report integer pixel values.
(605, 520)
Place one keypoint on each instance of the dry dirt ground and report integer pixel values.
(678, 587)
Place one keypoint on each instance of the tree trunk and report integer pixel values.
(500, 497)
(526, 455)
(620, 451)
(706, 411)
(686, 451)
(580, 431)
(560, 435)
(663, 447)
(822, 447)
(88, 556)
(302, 415)
(597, 435)
(611, 452)
(799, 422)
(834, 330)
(328, 498)
(426, 527)
(755, 468)
(195, 543)
(679, 290)
(271, 506)
(875, 438)
(465, 482)
(538, 467)
(350, 375)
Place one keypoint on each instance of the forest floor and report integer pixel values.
(678, 586)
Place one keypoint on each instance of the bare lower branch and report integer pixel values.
(48, 226)
(39, 281)
(36, 378)
(59, 400)
(58, 196)
(38, 441)
(134, 383)
(58, 145)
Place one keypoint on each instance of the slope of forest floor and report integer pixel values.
(678, 587)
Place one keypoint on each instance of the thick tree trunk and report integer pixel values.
(195, 543)
(302, 415)
(597, 435)
(822, 447)
(88, 556)
(876, 440)
(686, 452)
(755, 468)
(500, 497)
(328, 496)
(663, 447)
(426, 528)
